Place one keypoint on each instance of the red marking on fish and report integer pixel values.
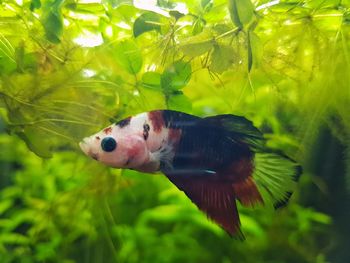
(133, 151)
(156, 118)
(247, 192)
(239, 170)
(107, 130)
(174, 135)
(240, 174)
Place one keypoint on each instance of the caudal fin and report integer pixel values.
(274, 173)
(276, 176)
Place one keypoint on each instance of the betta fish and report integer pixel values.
(216, 161)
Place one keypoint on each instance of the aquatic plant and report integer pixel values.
(68, 68)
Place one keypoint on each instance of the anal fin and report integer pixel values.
(247, 192)
(216, 199)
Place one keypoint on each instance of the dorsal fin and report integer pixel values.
(240, 128)
(178, 120)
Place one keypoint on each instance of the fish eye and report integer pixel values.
(108, 144)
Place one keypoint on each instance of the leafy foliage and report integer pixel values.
(67, 68)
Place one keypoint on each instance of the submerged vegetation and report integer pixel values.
(68, 68)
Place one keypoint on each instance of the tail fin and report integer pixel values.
(276, 175)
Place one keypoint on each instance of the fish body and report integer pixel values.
(215, 160)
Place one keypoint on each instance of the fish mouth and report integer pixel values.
(84, 146)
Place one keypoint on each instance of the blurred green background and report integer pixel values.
(69, 68)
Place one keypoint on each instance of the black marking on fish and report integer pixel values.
(123, 123)
(178, 120)
(146, 129)
(283, 202)
(206, 147)
(97, 138)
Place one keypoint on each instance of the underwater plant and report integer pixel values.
(71, 67)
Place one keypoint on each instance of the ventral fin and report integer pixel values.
(216, 199)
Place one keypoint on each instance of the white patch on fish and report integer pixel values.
(132, 150)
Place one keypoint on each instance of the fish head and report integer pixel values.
(116, 148)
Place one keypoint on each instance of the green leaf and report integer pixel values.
(36, 141)
(198, 26)
(318, 4)
(320, 217)
(176, 76)
(53, 27)
(146, 22)
(254, 50)
(222, 28)
(197, 45)
(5, 205)
(125, 12)
(206, 4)
(178, 101)
(25, 60)
(176, 14)
(128, 55)
(7, 56)
(88, 8)
(34, 4)
(151, 80)
(7, 65)
(241, 12)
(13, 238)
(250, 225)
(221, 58)
(53, 21)
(250, 53)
